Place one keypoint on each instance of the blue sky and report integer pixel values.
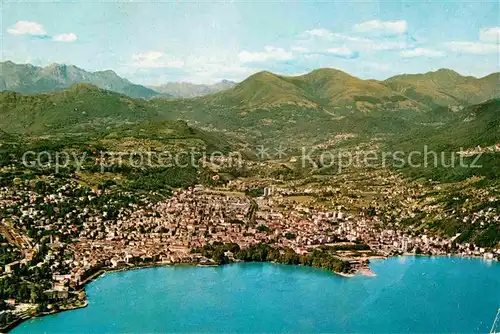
(206, 41)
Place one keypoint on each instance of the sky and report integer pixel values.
(154, 42)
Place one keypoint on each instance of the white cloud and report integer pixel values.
(342, 51)
(320, 32)
(36, 29)
(300, 49)
(473, 47)
(215, 67)
(490, 35)
(156, 67)
(155, 59)
(69, 37)
(269, 53)
(27, 28)
(323, 33)
(421, 52)
(321, 39)
(390, 27)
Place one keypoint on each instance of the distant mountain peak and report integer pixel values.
(446, 70)
(265, 72)
(444, 87)
(442, 72)
(62, 66)
(260, 76)
(189, 90)
(327, 70)
(58, 68)
(25, 78)
(110, 72)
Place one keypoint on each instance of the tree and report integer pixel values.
(263, 228)
(219, 257)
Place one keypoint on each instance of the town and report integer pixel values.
(68, 234)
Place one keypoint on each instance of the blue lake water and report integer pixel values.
(409, 294)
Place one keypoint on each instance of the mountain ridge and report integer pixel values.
(188, 90)
(265, 106)
(29, 79)
(324, 87)
(341, 93)
(446, 86)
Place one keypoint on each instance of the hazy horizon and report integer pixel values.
(251, 74)
(206, 42)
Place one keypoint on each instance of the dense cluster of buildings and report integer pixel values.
(84, 235)
(478, 150)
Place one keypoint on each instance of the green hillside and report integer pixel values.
(83, 108)
(149, 158)
(5, 136)
(162, 136)
(332, 89)
(476, 129)
(445, 87)
(262, 90)
(340, 93)
(265, 108)
(335, 89)
(476, 125)
(310, 108)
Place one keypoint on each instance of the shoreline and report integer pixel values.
(82, 303)
(362, 271)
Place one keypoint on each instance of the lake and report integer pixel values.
(408, 295)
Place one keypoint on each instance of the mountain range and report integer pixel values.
(401, 114)
(338, 91)
(326, 88)
(264, 107)
(29, 79)
(310, 107)
(187, 90)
